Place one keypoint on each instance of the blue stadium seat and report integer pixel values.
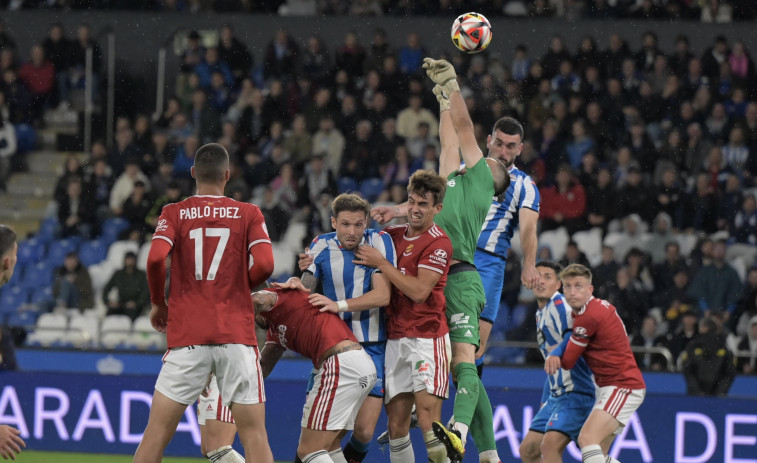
(30, 251)
(57, 251)
(347, 184)
(48, 230)
(37, 276)
(93, 252)
(24, 318)
(13, 297)
(113, 227)
(43, 297)
(371, 188)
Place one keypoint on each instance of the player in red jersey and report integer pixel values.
(219, 251)
(344, 375)
(418, 347)
(599, 334)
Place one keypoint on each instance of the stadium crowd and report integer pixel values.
(719, 11)
(649, 146)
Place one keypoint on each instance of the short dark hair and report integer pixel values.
(509, 126)
(349, 202)
(549, 264)
(7, 238)
(428, 181)
(211, 163)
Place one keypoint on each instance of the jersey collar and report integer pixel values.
(583, 309)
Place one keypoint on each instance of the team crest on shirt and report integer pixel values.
(408, 250)
(162, 225)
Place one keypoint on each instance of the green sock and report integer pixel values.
(468, 386)
(482, 426)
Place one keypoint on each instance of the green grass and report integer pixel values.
(62, 457)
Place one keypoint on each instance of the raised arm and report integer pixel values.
(443, 74)
(528, 242)
(449, 159)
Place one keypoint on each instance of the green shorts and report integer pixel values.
(465, 301)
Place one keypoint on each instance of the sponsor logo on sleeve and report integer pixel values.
(162, 225)
(439, 256)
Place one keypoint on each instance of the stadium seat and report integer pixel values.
(590, 243)
(48, 230)
(144, 336)
(284, 260)
(294, 236)
(83, 330)
(25, 318)
(371, 188)
(557, 240)
(30, 251)
(112, 228)
(114, 331)
(347, 185)
(118, 250)
(57, 251)
(144, 251)
(52, 320)
(13, 297)
(43, 297)
(92, 252)
(37, 276)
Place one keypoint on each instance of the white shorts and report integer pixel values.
(417, 364)
(209, 406)
(186, 370)
(619, 402)
(339, 388)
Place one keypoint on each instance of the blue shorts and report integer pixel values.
(492, 271)
(377, 351)
(565, 414)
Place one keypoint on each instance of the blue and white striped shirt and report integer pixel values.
(343, 279)
(553, 323)
(502, 218)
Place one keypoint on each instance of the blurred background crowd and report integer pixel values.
(644, 153)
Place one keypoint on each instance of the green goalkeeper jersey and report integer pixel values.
(466, 203)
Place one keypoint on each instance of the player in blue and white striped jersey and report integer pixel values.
(518, 206)
(568, 396)
(357, 293)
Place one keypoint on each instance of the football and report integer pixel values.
(471, 32)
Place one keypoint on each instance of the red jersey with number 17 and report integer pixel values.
(431, 250)
(599, 334)
(298, 325)
(209, 296)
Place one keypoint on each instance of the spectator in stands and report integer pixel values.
(205, 120)
(632, 236)
(668, 194)
(172, 195)
(664, 270)
(75, 213)
(697, 148)
(716, 11)
(192, 54)
(717, 286)
(635, 197)
(411, 54)
(137, 206)
(316, 180)
(730, 202)
(71, 168)
(73, 285)
(648, 336)
(38, 74)
(281, 57)
(235, 54)
(662, 235)
(708, 364)
(298, 142)
(629, 299)
(210, 65)
(417, 144)
(320, 108)
(580, 144)
(74, 75)
(124, 185)
(748, 344)
(123, 149)
(185, 156)
(745, 223)
(573, 255)
(605, 272)
(564, 204)
(555, 55)
(276, 216)
(358, 158)
(126, 293)
(388, 141)
(409, 119)
(698, 210)
(638, 269)
(674, 300)
(316, 60)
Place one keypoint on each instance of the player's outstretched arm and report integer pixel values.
(528, 220)
(269, 357)
(449, 159)
(443, 74)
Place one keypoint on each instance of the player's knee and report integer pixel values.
(529, 452)
(584, 440)
(363, 431)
